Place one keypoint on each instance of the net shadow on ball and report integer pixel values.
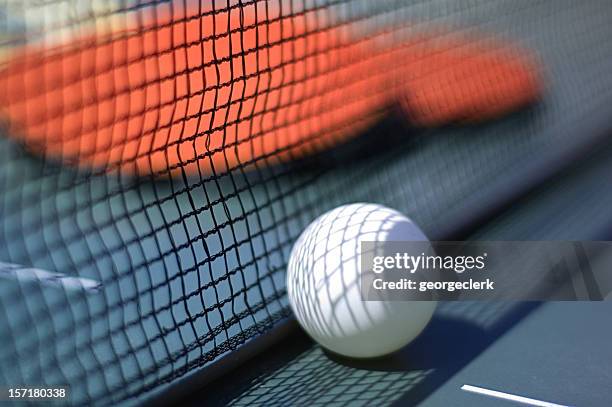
(324, 283)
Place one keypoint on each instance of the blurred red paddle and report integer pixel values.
(219, 91)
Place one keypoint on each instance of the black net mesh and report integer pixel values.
(159, 158)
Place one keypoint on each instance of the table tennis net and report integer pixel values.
(159, 159)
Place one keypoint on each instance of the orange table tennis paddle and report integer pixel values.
(214, 92)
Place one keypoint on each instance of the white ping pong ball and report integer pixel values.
(323, 283)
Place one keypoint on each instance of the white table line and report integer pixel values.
(35, 275)
(511, 397)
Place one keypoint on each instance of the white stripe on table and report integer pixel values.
(34, 275)
(511, 397)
